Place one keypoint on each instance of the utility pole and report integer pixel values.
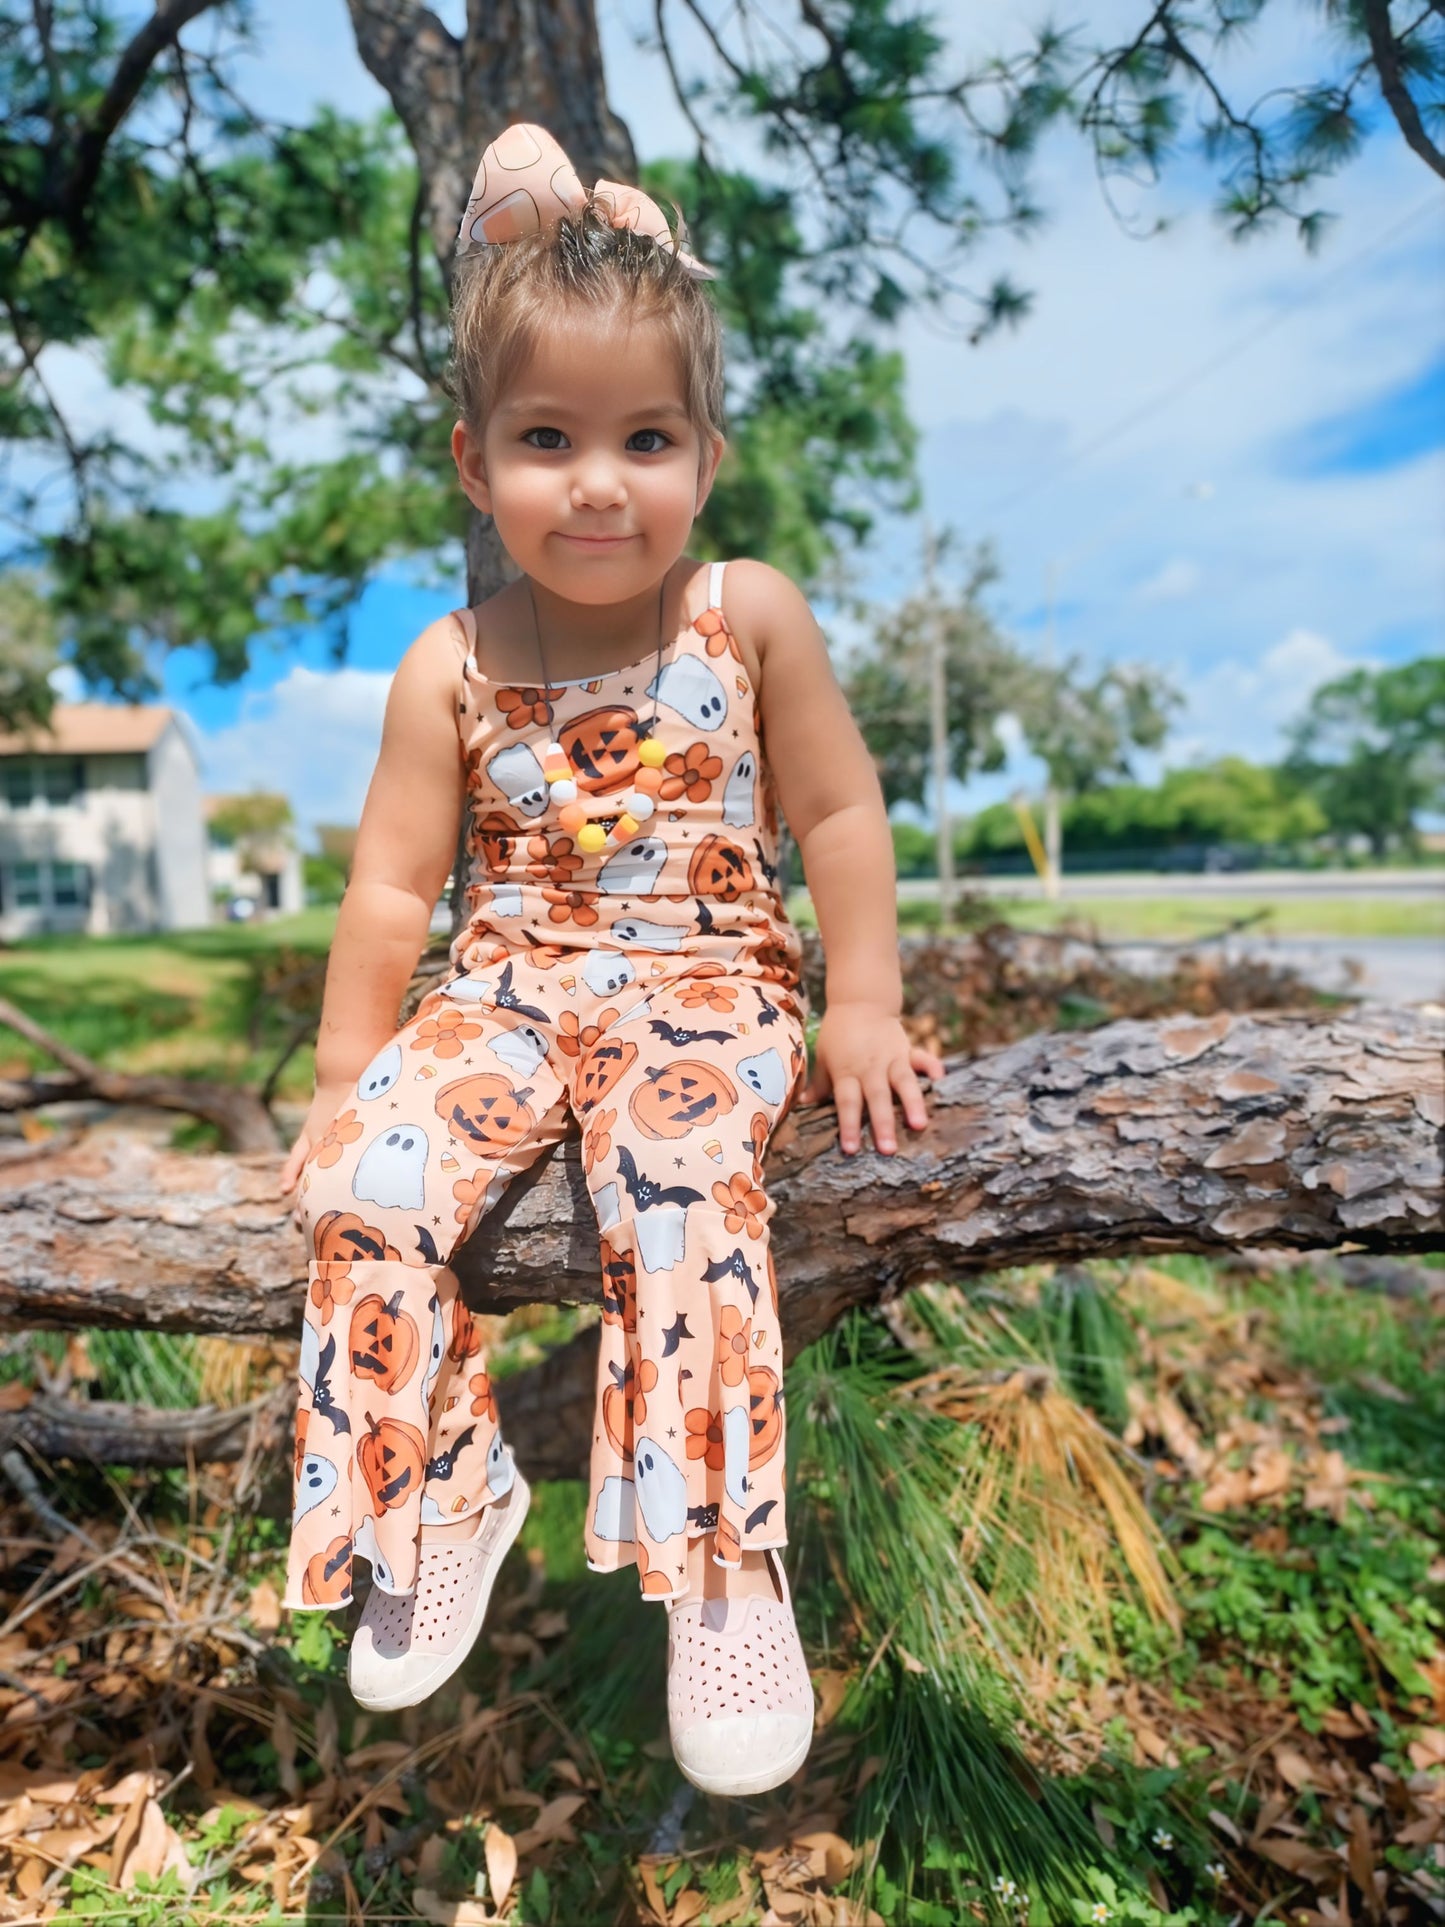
(938, 718)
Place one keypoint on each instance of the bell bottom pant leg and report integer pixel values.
(397, 1421)
(688, 1437)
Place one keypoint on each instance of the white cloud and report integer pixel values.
(1174, 581)
(314, 736)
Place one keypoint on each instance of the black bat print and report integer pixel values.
(674, 1334)
(733, 1266)
(769, 870)
(507, 999)
(760, 1517)
(678, 1034)
(426, 1245)
(645, 1192)
(703, 1516)
(704, 916)
(323, 1399)
(767, 1013)
(444, 1464)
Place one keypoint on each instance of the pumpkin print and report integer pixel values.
(392, 1458)
(487, 1111)
(624, 1403)
(601, 1070)
(679, 1098)
(601, 745)
(341, 1236)
(385, 1342)
(765, 1398)
(327, 1580)
(619, 1287)
(720, 869)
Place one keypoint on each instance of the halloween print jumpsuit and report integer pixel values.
(652, 986)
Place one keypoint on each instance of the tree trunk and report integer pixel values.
(1291, 1129)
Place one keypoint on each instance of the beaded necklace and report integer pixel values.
(578, 807)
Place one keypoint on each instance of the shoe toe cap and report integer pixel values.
(753, 1750)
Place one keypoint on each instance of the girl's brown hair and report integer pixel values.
(504, 295)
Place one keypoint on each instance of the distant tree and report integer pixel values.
(1370, 748)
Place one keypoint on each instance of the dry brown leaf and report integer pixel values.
(450, 1913)
(1429, 1749)
(500, 1851)
(1293, 1767)
(263, 1608)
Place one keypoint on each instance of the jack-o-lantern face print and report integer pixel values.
(392, 1457)
(608, 1060)
(601, 746)
(341, 1236)
(680, 1097)
(765, 1403)
(719, 869)
(486, 1111)
(327, 1578)
(496, 836)
(619, 1289)
(385, 1341)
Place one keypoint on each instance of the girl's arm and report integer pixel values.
(828, 790)
(404, 847)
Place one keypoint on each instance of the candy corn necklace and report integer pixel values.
(578, 807)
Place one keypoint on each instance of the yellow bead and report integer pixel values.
(591, 836)
(651, 752)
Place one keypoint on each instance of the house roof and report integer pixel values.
(92, 729)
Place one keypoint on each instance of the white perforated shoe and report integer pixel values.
(406, 1646)
(739, 1698)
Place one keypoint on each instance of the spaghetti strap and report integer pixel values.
(466, 622)
(714, 586)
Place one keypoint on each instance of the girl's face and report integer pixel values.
(589, 465)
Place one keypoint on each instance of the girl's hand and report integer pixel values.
(862, 1053)
(324, 1106)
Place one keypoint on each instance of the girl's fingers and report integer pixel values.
(848, 1096)
(880, 1112)
(910, 1094)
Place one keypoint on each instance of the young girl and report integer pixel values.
(622, 724)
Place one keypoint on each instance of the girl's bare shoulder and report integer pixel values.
(765, 609)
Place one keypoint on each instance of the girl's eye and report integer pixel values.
(660, 442)
(545, 431)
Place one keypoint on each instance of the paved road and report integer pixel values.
(1395, 970)
(1421, 886)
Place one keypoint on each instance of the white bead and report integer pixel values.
(564, 789)
(639, 804)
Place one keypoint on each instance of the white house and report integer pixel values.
(103, 828)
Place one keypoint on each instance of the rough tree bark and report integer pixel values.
(1299, 1130)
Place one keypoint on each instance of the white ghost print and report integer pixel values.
(661, 1490)
(606, 972)
(317, 1482)
(522, 1048)
(614, 1516)
(635, 868)
(648, 936)
(660, 1236)
(737, 804)
(391, 1170)
(518, 775)
(764, 1074)
(690, 687)
(380, 1074)
(735, 1454)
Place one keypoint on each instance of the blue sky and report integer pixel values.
(1231, 457)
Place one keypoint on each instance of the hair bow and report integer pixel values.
(525, 181)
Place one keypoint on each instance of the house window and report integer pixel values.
(41, 779)
(27, 886)
(69, 884)
(50, 885)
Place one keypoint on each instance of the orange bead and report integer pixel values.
(649, 780)
(572, 816)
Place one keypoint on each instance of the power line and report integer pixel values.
(1185, 382)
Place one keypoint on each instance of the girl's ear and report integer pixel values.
(707, 474)
(467, 454)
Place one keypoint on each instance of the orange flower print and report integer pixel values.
(720, 640)
(553, 859)
(574, 1037)
(646, 1379)
(484, 1404)
(742, 1202)
(719, 997)
(340, 1132)
(735, 1339)
(597, 1139)
(705, 1436)
(448, 1033)
(691, 772)
(571, 906)
(527, 704)
(758, 1138)
(334, 1287)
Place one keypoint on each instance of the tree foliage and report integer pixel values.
(1370, 748)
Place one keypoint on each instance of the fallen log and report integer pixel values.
(1297, 1130)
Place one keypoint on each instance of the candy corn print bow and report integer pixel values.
(525, 181)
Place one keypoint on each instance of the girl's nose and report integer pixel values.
(597, 484)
